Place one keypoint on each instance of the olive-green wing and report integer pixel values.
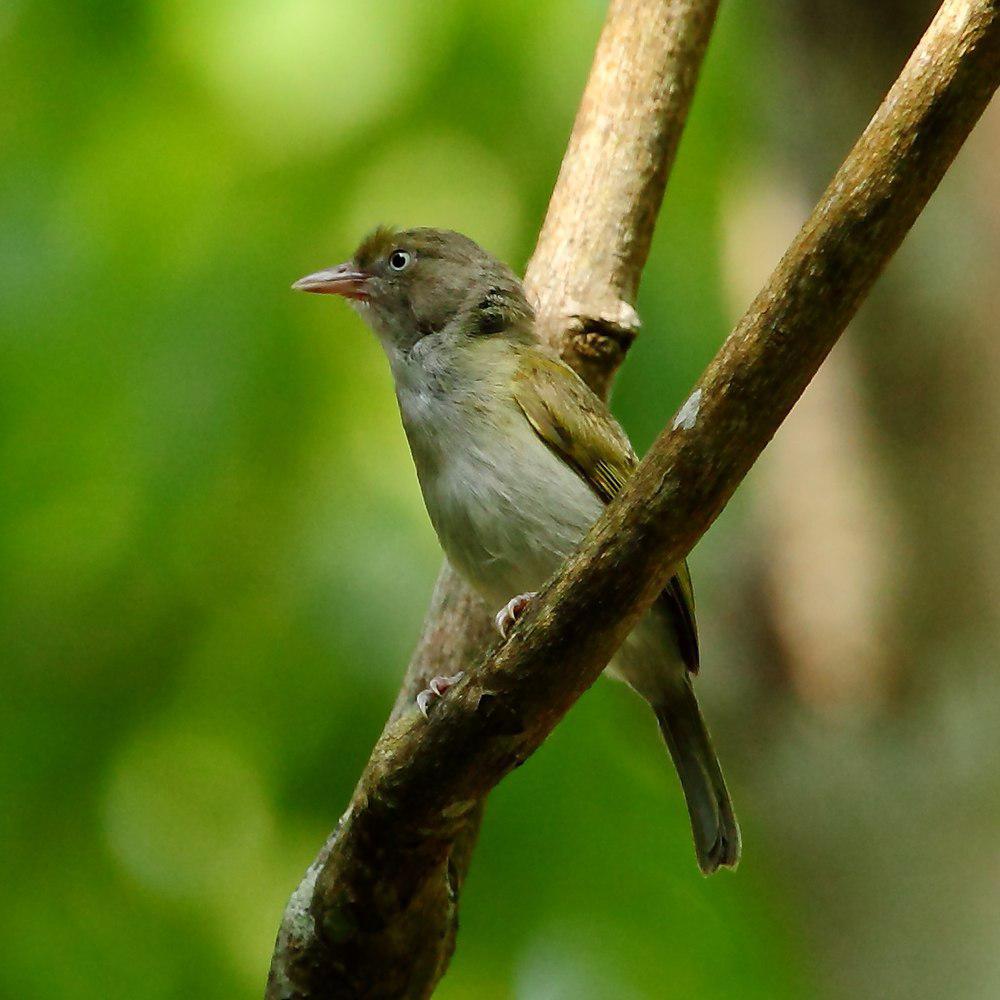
(579, 428)
(573, 422)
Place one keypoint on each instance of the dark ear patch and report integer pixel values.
(492, 314)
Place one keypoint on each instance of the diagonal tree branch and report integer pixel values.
(390, 858)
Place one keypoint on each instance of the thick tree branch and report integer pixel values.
(384, 877)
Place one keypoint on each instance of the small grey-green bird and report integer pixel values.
(516, 459)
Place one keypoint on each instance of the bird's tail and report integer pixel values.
(713, 823)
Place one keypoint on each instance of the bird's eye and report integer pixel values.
(398, 259)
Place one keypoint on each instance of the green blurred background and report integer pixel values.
(215, 560)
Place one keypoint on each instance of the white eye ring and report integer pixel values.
(399, 259)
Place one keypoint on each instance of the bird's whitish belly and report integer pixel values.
(508, 521)
(507, 524)
(506, 510)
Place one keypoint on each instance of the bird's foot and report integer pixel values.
(437, 687)
(510, 613)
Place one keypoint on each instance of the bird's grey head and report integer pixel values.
(409, 284)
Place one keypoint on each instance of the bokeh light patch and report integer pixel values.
(185, 814)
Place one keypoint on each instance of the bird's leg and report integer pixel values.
(437, 687)
(510, 613)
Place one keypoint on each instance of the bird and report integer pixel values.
(516, 458)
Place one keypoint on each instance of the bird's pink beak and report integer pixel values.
(344, 279)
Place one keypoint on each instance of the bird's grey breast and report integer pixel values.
(506, 509)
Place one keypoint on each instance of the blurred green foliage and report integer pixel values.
(215, 559)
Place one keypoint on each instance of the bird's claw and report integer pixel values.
(510, 613)
(437, 687)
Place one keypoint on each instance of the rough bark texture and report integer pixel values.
(375, 917)
(582, 279)
(586, 268)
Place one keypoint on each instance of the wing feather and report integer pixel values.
(578, 427)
